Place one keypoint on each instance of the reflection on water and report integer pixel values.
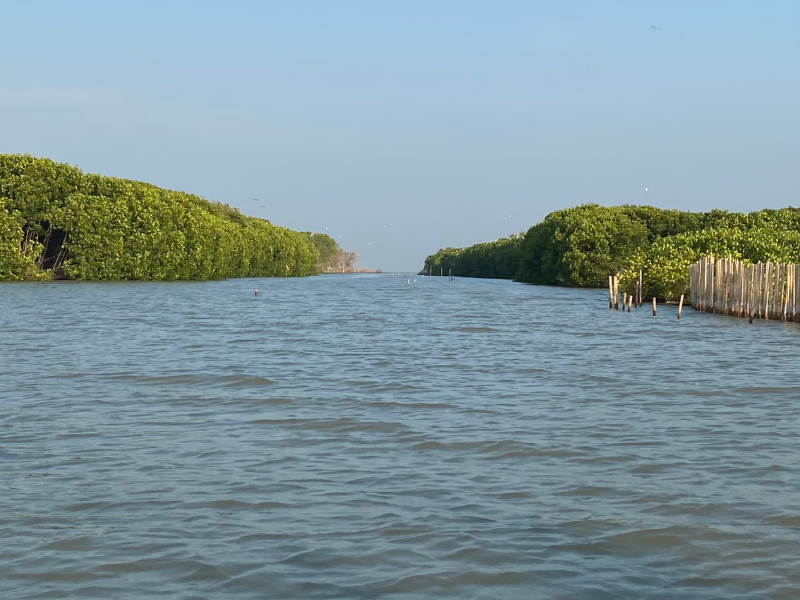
(356, 437)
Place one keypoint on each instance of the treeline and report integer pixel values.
(332, 259)
(58, 222)
(581, 246)
(498, 259)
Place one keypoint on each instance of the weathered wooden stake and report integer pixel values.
(641, 289)
(680, 307)
(654, 306)
(768, 290)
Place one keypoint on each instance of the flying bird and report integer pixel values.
(645, 189)
(654, 27)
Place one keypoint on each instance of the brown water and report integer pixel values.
(357, 437)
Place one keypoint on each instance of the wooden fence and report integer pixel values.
(761, 291)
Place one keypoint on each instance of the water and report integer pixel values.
(356, 437)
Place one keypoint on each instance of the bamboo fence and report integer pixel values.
(760, 291)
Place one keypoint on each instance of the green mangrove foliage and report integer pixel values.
(57, 222)
(581, 246)
(665, 264)
(497, 260)
(329, 251)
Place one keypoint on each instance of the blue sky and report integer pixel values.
(407, 126)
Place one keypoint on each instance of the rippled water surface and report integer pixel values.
(357, 437)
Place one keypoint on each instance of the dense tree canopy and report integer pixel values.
(56, 221)
(581, 246)
(665, 265)
(498, 259)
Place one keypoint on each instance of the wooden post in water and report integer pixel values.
(710, 284)
(794, 293)
(743, 291)
(701, 284)
(610, 291)
(785, 292)
(641, 289)
(654, 306)
(710, 276)
(630, 302)
(767, 288)
(761, 282)
(749, 291)
(701, 294)
(727, 286)
(789, 287)
(723, 296)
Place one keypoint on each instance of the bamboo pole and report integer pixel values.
(788, 292)
(794, 295)
(743, 289)
(723, 292)
(728, 286)
(703, 283)
(696, 293)
(767, 289)
(725, 287)
(710, 306)
(750, 292)
(785, 292)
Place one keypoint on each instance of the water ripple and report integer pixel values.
(356, 437)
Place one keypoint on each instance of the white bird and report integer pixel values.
(370, 243)
(645, 189)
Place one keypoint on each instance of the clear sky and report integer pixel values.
(413, 125)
